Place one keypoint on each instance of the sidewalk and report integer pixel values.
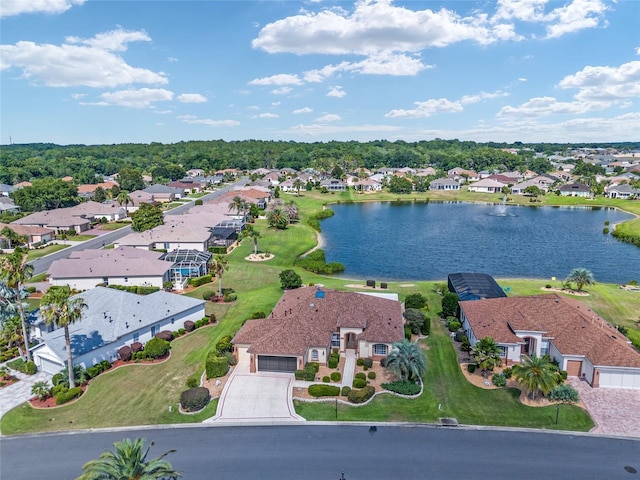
(19, 392)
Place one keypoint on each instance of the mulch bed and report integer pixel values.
(10, 380)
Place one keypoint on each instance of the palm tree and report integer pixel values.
(123, 197)
(252, 233)
(12, 237)
(298, 184)
(129, 462)
(15, 271)
(278, 218)
(238, 204)
(219, 266)
(581, 277)
(60, 309)
(486, 353)
(406, 361)
(536, 373)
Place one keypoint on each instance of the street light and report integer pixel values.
(342, 476)
(557, 412)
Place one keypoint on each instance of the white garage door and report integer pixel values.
(620, 379)
(50, 367)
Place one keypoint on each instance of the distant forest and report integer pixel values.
(88, 163)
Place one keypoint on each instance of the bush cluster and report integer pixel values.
(196, 282)
(359, 382)
(314, 220)
(224, 344)
(316, 262)
(361, 395)
(218, 250)
(367, 362)
(139, 289)
(321, 390)
(309, 372)
(194, 399)
(334, 359)
(499, 380)
(25, 367)
(98, 368)
(156, 347)
(371, 375)
(403, 388)
(67, 395)
(215, 365)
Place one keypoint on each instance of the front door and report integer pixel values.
(351, 340)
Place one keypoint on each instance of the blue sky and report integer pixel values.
(95, 71)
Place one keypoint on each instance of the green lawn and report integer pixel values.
(114, 225)
(41, 252)
(448, 394)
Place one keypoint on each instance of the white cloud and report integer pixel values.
(442, 105)
(522, 79)
(192, 120)
(281, 90)
(334, 131)
(77, 62)
(597, 84)
(302, 110)
(280, 79)
(78, 96)
(266, 115)
(275, 104)
(328, 118)
(141, 98)
(191, 98)
(10, 8)
(337, 92)
(542, 106)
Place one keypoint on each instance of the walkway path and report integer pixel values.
(349, 368)
(615, 411)
(13, 395)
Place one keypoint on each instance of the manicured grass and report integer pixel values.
(78, 238)
(39, 278)
(448, 394)
(114, 225)
(41, 252)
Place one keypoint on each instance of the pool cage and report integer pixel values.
(186, 264)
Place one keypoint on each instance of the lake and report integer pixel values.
(427, 241)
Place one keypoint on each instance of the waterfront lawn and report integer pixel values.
(448, 394)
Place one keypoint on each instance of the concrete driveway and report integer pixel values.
(256, 397)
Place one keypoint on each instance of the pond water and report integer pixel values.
(427, 241)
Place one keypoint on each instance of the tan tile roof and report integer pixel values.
(570, 324)
(302, 320)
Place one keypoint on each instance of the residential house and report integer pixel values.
(543, 182)
(623, 191)
(309, 321)
(163, 193)
(444, 184)
(186, 264)
(137, 198)
(575, 190)
(195, 172)
(367, 185)
(487, 185)
(426, 172)
(88, 190)
(111, 320)
(76, 218)
(5, 189)
(188, 186)
(462, 175)
(333, 185)
(170, 236)
(126, 266)
(273, 178)
(567, 330)
(7, 205)
(35, 235)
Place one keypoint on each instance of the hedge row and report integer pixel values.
(403, 388)
(321, 390)
(361, 395)
(196, 282)
(139, 289)
(68, 395)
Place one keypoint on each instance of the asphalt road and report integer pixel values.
(322, 452)
(41, 265)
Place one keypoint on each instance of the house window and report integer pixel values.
(335, 340)
(105, 280)
(314, 355)
(379, 349)
(154, 330)
(503, 351)
(136, 337)
(126, 279)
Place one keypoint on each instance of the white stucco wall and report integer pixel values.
(87, 283)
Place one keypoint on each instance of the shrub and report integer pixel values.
(93, 371)
(345, 391)
(64, 397)
(407, 332)
(196, 282)
(460, 336)
(224, 344)
(564, 393)
(165, 335)
(230, 297)
(215, 365)
(367, 362)
(415, 300)
(507, 372)
(319, 390)
(499, 380)
(207, 294)
(449, 304)
(290, 280)
(57, 389)
(212, 318)
(193, 382)
(371, 375)
(142, 290)
(360, 362)
(57, 379)
(198, 202)
(156, 347)
(189, 326)
(361, 395)
(231, 358)
(563, 374)
(403, 388)
(308, 374)
(136, 347)
(361, 375)
(106, 365)
(124, 353)
(326, 379)
(30, 368)
(41, 390)
(359, 382)
(315, 366)
(336, 376)
(194, 399)
(415, 319)
(315, 262)
(426, 327)
(258, 314)
(453, 325)
(333, 362)
(471, 367)
(181, 331)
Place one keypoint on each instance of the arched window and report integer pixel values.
(314, 355)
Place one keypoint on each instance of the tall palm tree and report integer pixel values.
(252, 233)
(124, 198)
(298, 184)
(15, 271)
(12, 237)
(407, 361)
(59, 308)
(486, 353)
(238, 204)
(536, 374)
(129, 462)
(219, 266)
(581, 277)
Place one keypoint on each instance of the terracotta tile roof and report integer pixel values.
(304, 318)
(570, 324)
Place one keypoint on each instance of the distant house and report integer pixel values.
(544, 183)
(308, 322)
(487, 185)
(273, 178)
(367, 185)
(113, 319)
(170, 236)
(333, 185)
(444, 184)
(89, 190)
(76, 218)
(622, 191)
(126, 266)
(35, 235)
(7, 205)
(188, 185)
(163, 193)
(5, 189)
(567, 330)
(575, 190)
